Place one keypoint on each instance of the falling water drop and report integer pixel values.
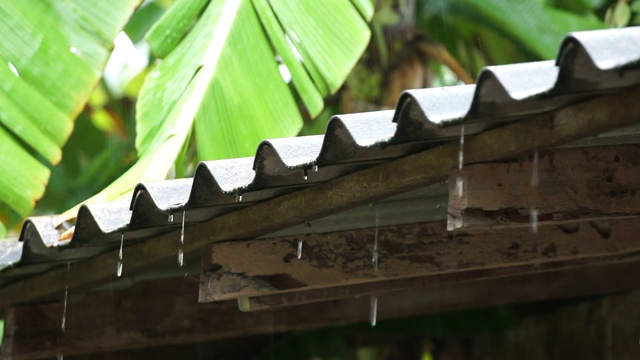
(238, 197)
(534, 170)
(64, 308)
(533, 220)
(315, 167)
(120, 264)
(374, 252)
(63, 322)
(13, 69)
(373, 317)
(533, 213)
(299, 254)
(180, 252)
(461, 151)
(170, 218)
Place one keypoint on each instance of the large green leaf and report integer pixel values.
(222, 77)
(52, 53)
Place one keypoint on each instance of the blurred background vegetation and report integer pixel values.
(413, 44)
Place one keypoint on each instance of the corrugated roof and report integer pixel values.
(589, 64)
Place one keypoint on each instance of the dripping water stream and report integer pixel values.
(533, 212)
(120, 263)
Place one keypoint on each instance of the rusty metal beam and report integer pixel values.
(565, 185)
(405, 174)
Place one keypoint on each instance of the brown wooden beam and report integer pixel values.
(537, 133)
(338, 265)
(165, 312)
(565, 185)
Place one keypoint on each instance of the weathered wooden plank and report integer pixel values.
(145, 316)
(252, 268)
(381, 181)
(563, 185)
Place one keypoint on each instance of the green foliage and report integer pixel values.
(220, 77)
(51, 56)
(481, 32)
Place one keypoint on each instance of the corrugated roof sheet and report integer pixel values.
(589, 64)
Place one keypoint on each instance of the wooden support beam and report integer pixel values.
(565, 185)
(165, 312)
(536, 133)
(338, 265)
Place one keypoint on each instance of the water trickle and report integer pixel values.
(60, 357)
(373, 316)
(534, 170)
(180, 252)
(299, 254)
(533, 220)
(64, 309)
(533, 212)
(120, 264)
(459, 185)
(374, 252)
(461, 151)
(63, 322)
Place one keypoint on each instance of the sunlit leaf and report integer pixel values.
(222, 77)
(51, 56)
(618, 14)
(165, 34)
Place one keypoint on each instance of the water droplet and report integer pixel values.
(533, 213)
(373, 316)
(63, 322)
(180, 252)
(374, 252)
(299, 249)
(459, 185)
(74, 50)
(238, 197)
(315, 167)
(533, 220)
(60, 357)
(170, 218)
(461, 151)
(64, 308)
(534, 170)
(13, 69)
(184, 217)
(120, 264)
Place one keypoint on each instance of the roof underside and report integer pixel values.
(589, 64)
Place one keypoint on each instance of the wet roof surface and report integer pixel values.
(589, 64)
